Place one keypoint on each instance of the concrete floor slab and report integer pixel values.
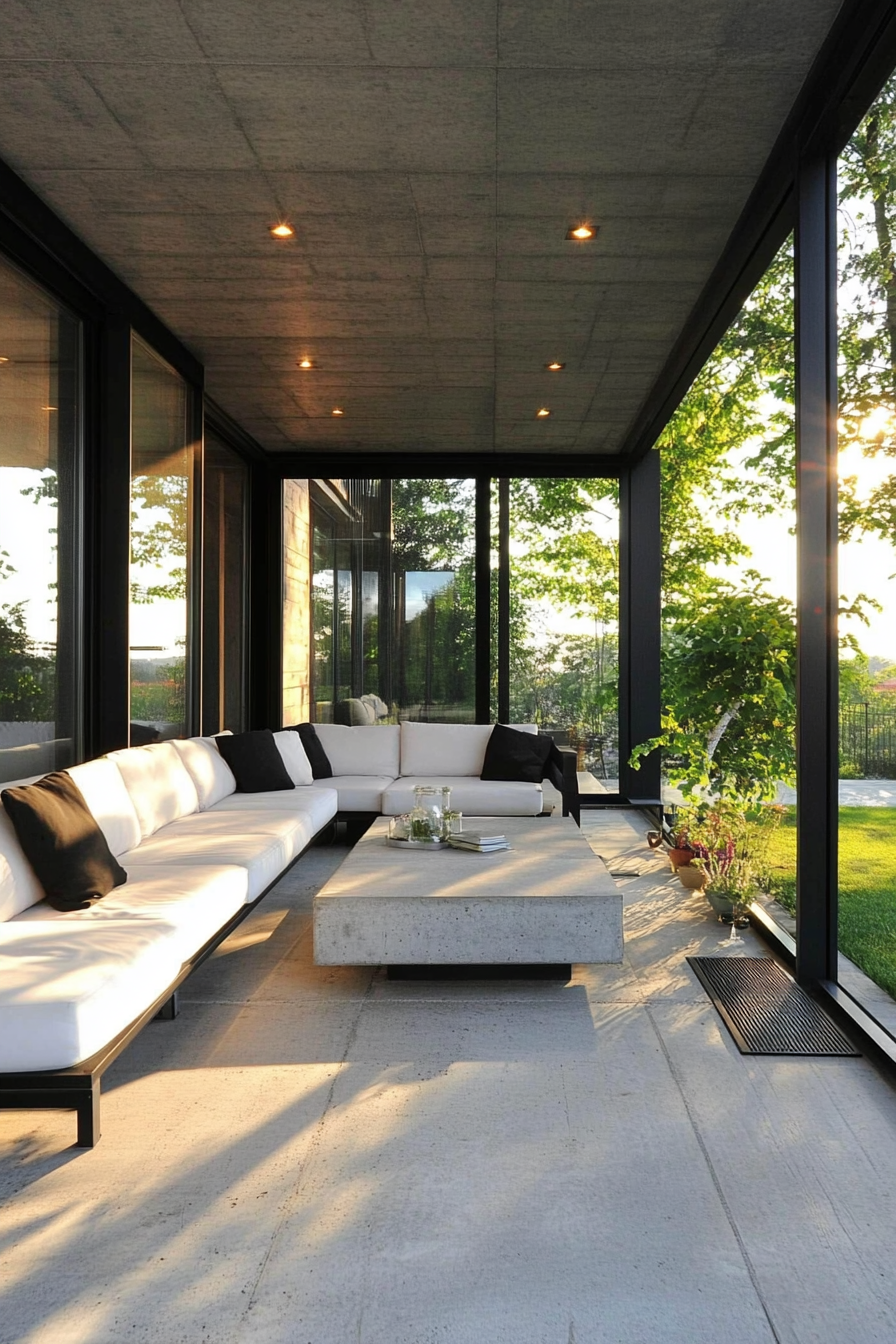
(321, 1154)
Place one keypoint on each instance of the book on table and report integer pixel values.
(480, 841)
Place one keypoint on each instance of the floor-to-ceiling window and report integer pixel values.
(162, 466)
(555, 647)
(866, 303)
(225, 485)
(729, 580)
(40, 435)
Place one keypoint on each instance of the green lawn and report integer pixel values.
(867, 886)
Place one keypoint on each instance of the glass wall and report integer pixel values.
(866, 303)
(40, 431)
(225, 485)
(162, 465)
(433, 595)
(729, 584)
(563, 615)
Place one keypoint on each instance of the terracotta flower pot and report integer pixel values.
(680, 858)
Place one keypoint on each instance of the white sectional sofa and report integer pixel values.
(76, 986)
(376, 768)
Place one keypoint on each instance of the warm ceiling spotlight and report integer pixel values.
(305, 363)
(282, 230)
(4, 359)
(49, 408)
(582, 232)
(555, 366)
(337, 410)
(543, 412)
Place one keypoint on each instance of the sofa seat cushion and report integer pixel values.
(360, 793)
(263, 843)
(159, 784)
(318, 803)
(473, 797)
(195, 901)
(67, 988)
(372, 750)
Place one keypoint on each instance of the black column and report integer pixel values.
(483, 599)
(503, 600)
(816, 499)
(108, 473)
(265, 624)
(640, 576)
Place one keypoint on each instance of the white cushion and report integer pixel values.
(263, 843)
(108, 799)
(210, 773)
(19, 886)
(298, 766)
(473, 797)
(318, 804)
(372, 750)
(359, 793)
(443, 748)
(195, 901)
(68, 988)
(159, 784)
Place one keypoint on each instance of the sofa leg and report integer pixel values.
(88, 1112)
(169, 1009)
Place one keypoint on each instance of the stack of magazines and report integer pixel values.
(482, 842)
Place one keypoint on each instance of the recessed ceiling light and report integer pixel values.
(581, 232)
(337, 410)
(305, 363)
(282, 230)
(4, 359)
(49, 408)
(555, 365)
(543, 412)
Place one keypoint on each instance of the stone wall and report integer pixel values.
(296, 601)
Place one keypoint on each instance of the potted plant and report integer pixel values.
(732, 842)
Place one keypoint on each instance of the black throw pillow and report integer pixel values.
(511, 754)
(255, 761)
(317, 757)
(62, 842)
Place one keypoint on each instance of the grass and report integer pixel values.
(867, 886)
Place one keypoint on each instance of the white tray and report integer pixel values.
(427, 845)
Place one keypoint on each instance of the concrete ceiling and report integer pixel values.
(431, 155)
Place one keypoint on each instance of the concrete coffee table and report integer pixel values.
(546, 902)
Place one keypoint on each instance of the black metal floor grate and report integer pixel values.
(765, 1010)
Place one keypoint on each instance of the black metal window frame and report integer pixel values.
(639, 580)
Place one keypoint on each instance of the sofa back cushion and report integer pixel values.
(447, 748)
(373, 750)
(19, 887)
(104, 792)
(159, 784)
(210, 773)
(443, 748)
(292, 752)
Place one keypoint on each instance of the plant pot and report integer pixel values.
(680, 858)
(694, 879)
(724, 908)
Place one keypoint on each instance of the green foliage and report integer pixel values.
(733, 843)
(867, 882)
(156, 541)
(27, 680)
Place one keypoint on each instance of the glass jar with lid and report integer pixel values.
(426, 814)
